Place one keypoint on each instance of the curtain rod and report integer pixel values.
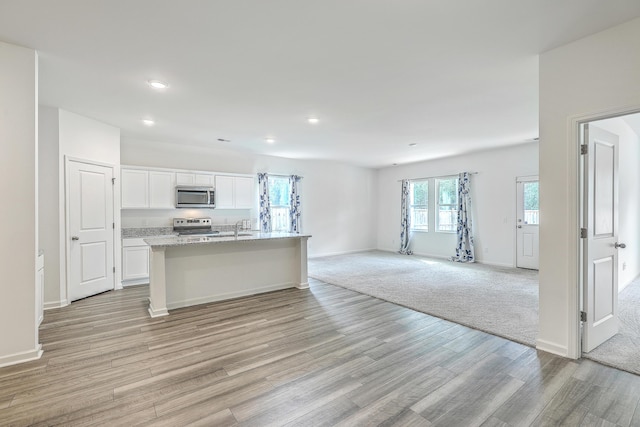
(436, 176)
(282, 175)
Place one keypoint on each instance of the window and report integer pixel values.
(419, 205)
(447, 204)
(279, 191)
(531, 204)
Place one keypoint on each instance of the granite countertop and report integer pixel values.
(243, 236)
(131, 233)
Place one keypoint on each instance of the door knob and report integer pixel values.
(519, 226)
(619, 245)
(75, 238)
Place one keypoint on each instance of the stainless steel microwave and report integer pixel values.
(195, 197)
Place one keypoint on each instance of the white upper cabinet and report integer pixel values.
(224, 192)
(185, 178)
(147, 189)
(204, 180)
(244, 192)
(198, 179)
(135, 188)
(234, 192)
(162, 192)
(155, 188)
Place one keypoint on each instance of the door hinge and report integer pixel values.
(113, 181)
(584, 149)
(583, 316)
(583, 233)
(114, 269)
(114, 225)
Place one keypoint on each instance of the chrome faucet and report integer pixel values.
(237, 226)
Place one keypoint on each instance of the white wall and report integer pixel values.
(629, 200)
(338, 200)
(493, 192)
(48, 204)
(593, 77)
(18, 187)
(67, 134)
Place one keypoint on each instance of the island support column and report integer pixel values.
(303, 282)
(158, 283)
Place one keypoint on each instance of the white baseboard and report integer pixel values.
(153, 312)
(355, 251)
(496, 264)
(620, 288)
(230, 295)
(553, 348)
(55, 304)
(14, 359)
(448, 257)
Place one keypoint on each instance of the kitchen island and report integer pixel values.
(191, 270)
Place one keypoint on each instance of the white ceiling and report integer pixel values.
(451, 76)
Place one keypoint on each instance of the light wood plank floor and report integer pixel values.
(320, 357)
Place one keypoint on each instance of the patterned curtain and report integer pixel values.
(295, 212)
(464, 250)
(405, 219)
(265, 207)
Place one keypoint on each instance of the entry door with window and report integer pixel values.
(600, 245)
(528, 222)
(90, 232)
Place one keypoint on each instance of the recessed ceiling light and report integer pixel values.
(313, 120)
(148, 122)
(270, 140)
(413, 144)
(157, 84)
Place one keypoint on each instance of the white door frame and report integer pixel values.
(64, 275)
(575, 169)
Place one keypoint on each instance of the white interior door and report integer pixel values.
(90, 231)
(600, 249)
(528, 222)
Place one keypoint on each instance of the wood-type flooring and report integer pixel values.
(320, 357)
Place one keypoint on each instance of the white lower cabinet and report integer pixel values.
(135, 262)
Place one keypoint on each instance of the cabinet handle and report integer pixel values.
(75, 238)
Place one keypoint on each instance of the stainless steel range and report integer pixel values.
(193, 227)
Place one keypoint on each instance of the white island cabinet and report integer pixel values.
(187, 271)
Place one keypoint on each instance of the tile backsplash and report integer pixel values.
(141, 218)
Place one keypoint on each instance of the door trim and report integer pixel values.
(576, 257)
(64, 279)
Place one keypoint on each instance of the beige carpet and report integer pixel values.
(501, 301)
